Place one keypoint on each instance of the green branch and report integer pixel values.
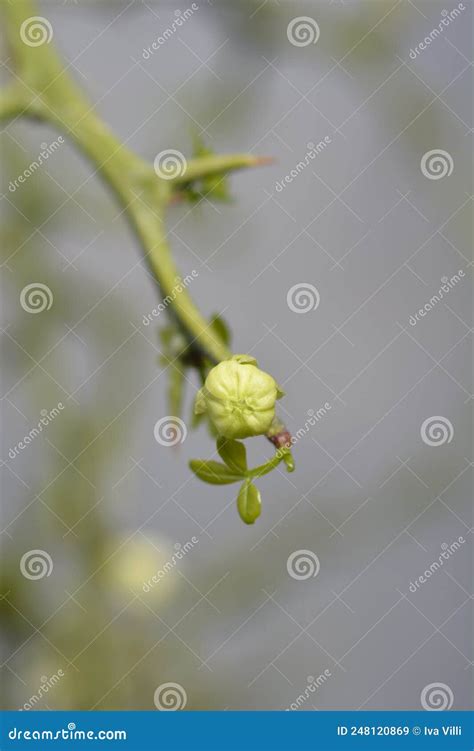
(43, 89)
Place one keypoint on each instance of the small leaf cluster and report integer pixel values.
(213, 187)
(235, 469)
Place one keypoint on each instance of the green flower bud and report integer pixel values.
(238, 398)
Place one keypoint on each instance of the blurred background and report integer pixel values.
(373, 500)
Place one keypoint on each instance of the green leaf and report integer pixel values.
(213, 472)
(200, 148)
(166, 333)
(249, 502)
(219, 327)
(214, 187)
(289, 461)
(175, 391)
(217, 188)
(233, 454)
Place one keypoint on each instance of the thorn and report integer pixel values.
(262, 161)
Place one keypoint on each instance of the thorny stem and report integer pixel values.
(42, 89)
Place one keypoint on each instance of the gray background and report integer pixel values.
(364, 226)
